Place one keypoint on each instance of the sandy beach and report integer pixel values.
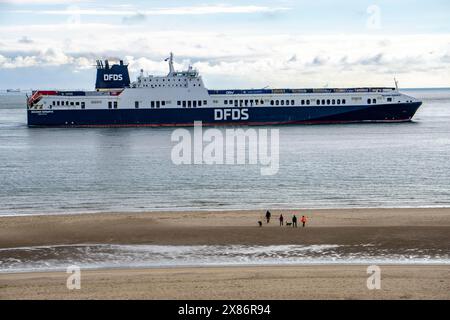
(418, 228)
(300, 282)
(390, 229)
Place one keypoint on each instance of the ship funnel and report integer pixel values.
(115, 76)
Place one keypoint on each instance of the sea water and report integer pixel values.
(72, 170)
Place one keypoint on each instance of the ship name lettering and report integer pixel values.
(113, 77)
(231, 114)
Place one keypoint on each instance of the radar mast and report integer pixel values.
(171, 69)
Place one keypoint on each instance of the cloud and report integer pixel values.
(25, 40)
(319, 60)
(192, 10)
(293, 58)
(134, 19)
(233, 58)
(49, 57)
(372, 60)
(38, 2)
(17, 62)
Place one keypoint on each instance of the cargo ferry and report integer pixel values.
(180, 98)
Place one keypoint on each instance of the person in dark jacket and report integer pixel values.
(294, 221)
(281, 219)
(268, 214)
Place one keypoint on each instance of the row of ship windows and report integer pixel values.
(292, 102)
(169, 85)
(330, 101)
(163, 85)
(241, 103)
(153, 104)
(246, 103)
(191, 104)
(236, 103)
(147, 80)
(185, 104)
(68, 103)
(168, 80)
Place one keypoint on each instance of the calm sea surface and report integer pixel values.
(60, 170)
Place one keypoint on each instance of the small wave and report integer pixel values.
(54, 258)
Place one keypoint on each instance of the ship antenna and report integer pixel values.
(170, 59)
(396, 84)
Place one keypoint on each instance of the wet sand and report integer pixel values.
(299, 282)
(390, 228)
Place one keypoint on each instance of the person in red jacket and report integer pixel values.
(303, 220)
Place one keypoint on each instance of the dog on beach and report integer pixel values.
(260, 223)
(288, 224)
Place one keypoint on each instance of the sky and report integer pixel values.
(234, 44)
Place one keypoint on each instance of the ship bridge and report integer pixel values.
(174, 79)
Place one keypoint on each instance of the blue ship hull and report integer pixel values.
(256, 116)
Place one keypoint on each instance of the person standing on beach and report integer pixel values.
(281, 219)
(268, 214)
(303, 220)
(294, 221)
